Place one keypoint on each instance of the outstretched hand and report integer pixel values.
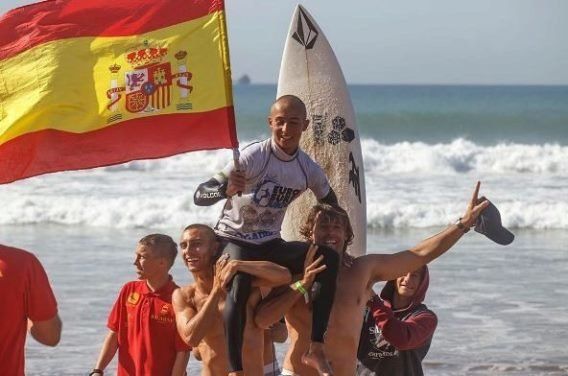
(474, 207)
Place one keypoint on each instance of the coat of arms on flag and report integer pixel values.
(148, 83)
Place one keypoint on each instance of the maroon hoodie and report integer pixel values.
(394, 342)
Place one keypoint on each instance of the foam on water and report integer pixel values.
(461, 156)
(409, 185)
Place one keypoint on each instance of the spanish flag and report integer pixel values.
(88, 83)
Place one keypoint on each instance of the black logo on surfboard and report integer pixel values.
(354, 178)
(340, 132)
(306, 32)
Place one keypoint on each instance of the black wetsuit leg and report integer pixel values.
(234, 314)
(292, 256)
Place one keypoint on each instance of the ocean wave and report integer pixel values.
(457, 157)
(515, 215)
(176, 212)
(463, 156)
(409, 185)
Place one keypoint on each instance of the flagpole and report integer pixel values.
(236, 156)
(228, 79)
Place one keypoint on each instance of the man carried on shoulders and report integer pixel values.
(271, 174)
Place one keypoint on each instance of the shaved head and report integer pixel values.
(203, 229)
(290, 101)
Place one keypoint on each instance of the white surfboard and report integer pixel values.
(310, 70)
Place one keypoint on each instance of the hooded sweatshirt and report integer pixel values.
(394, 342)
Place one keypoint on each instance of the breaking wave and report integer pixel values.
(409, 184)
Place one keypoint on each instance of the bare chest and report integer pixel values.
(346, 319)
(216, 325)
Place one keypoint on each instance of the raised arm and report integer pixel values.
(265, 273)
(192, 324)
(405, 334)
(387, 267)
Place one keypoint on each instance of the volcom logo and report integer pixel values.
(208, 195)
(306, 32)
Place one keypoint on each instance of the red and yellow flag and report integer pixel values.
(87, 83)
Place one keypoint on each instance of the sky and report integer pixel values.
(409, 42)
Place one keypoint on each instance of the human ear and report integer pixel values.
(306, 123)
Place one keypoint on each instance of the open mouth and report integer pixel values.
(191, 261)
(331, 242)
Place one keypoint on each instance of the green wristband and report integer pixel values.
(299, 287)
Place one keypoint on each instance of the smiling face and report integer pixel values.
(287, 121)
(407, 285)
(330, 231)
(198, 248)
(149, 264)
(328, 225)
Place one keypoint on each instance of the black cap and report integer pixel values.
(489, 224)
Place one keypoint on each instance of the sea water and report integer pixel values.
(501, 309)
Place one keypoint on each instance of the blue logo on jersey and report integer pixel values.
(269, 194)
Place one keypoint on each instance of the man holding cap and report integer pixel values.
(489, 224)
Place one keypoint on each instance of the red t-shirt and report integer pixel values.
(147, 335)
(24, 293)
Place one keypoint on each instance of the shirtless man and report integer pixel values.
(199, 306)
(277, 333)
(330, 226)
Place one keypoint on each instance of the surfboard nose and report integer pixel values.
(303, 28)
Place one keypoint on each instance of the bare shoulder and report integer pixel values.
(368, 261)
(370, 267)
(184, 295)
